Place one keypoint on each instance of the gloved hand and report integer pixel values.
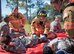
(43, 37)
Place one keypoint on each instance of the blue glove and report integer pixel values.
(43, 36)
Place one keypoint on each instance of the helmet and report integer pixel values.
(42, 13)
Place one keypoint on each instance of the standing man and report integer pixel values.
(66, 44)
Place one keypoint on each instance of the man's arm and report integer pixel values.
(47, 27)
(22, 18)
(53, 43)
(34, 24)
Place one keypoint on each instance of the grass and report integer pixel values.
(27, 27)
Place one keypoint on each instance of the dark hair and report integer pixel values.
(6, 19)
(6, 39)
(47, 50)
(69, 4)
(56, 1)
(70, 49)
(60, 52)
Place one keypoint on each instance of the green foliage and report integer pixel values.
(30, 5)
(27, 27)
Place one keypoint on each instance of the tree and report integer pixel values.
(49, 9)
(28, 5)
(19, 3)
(0, 10)
(40, 3)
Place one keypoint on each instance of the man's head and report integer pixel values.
(68, 17)
(15, 10)
(42, 14)
(70, 49)
(58, 5)
(48, 50)
(5, 39)
(57, 18)
(55, 4)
